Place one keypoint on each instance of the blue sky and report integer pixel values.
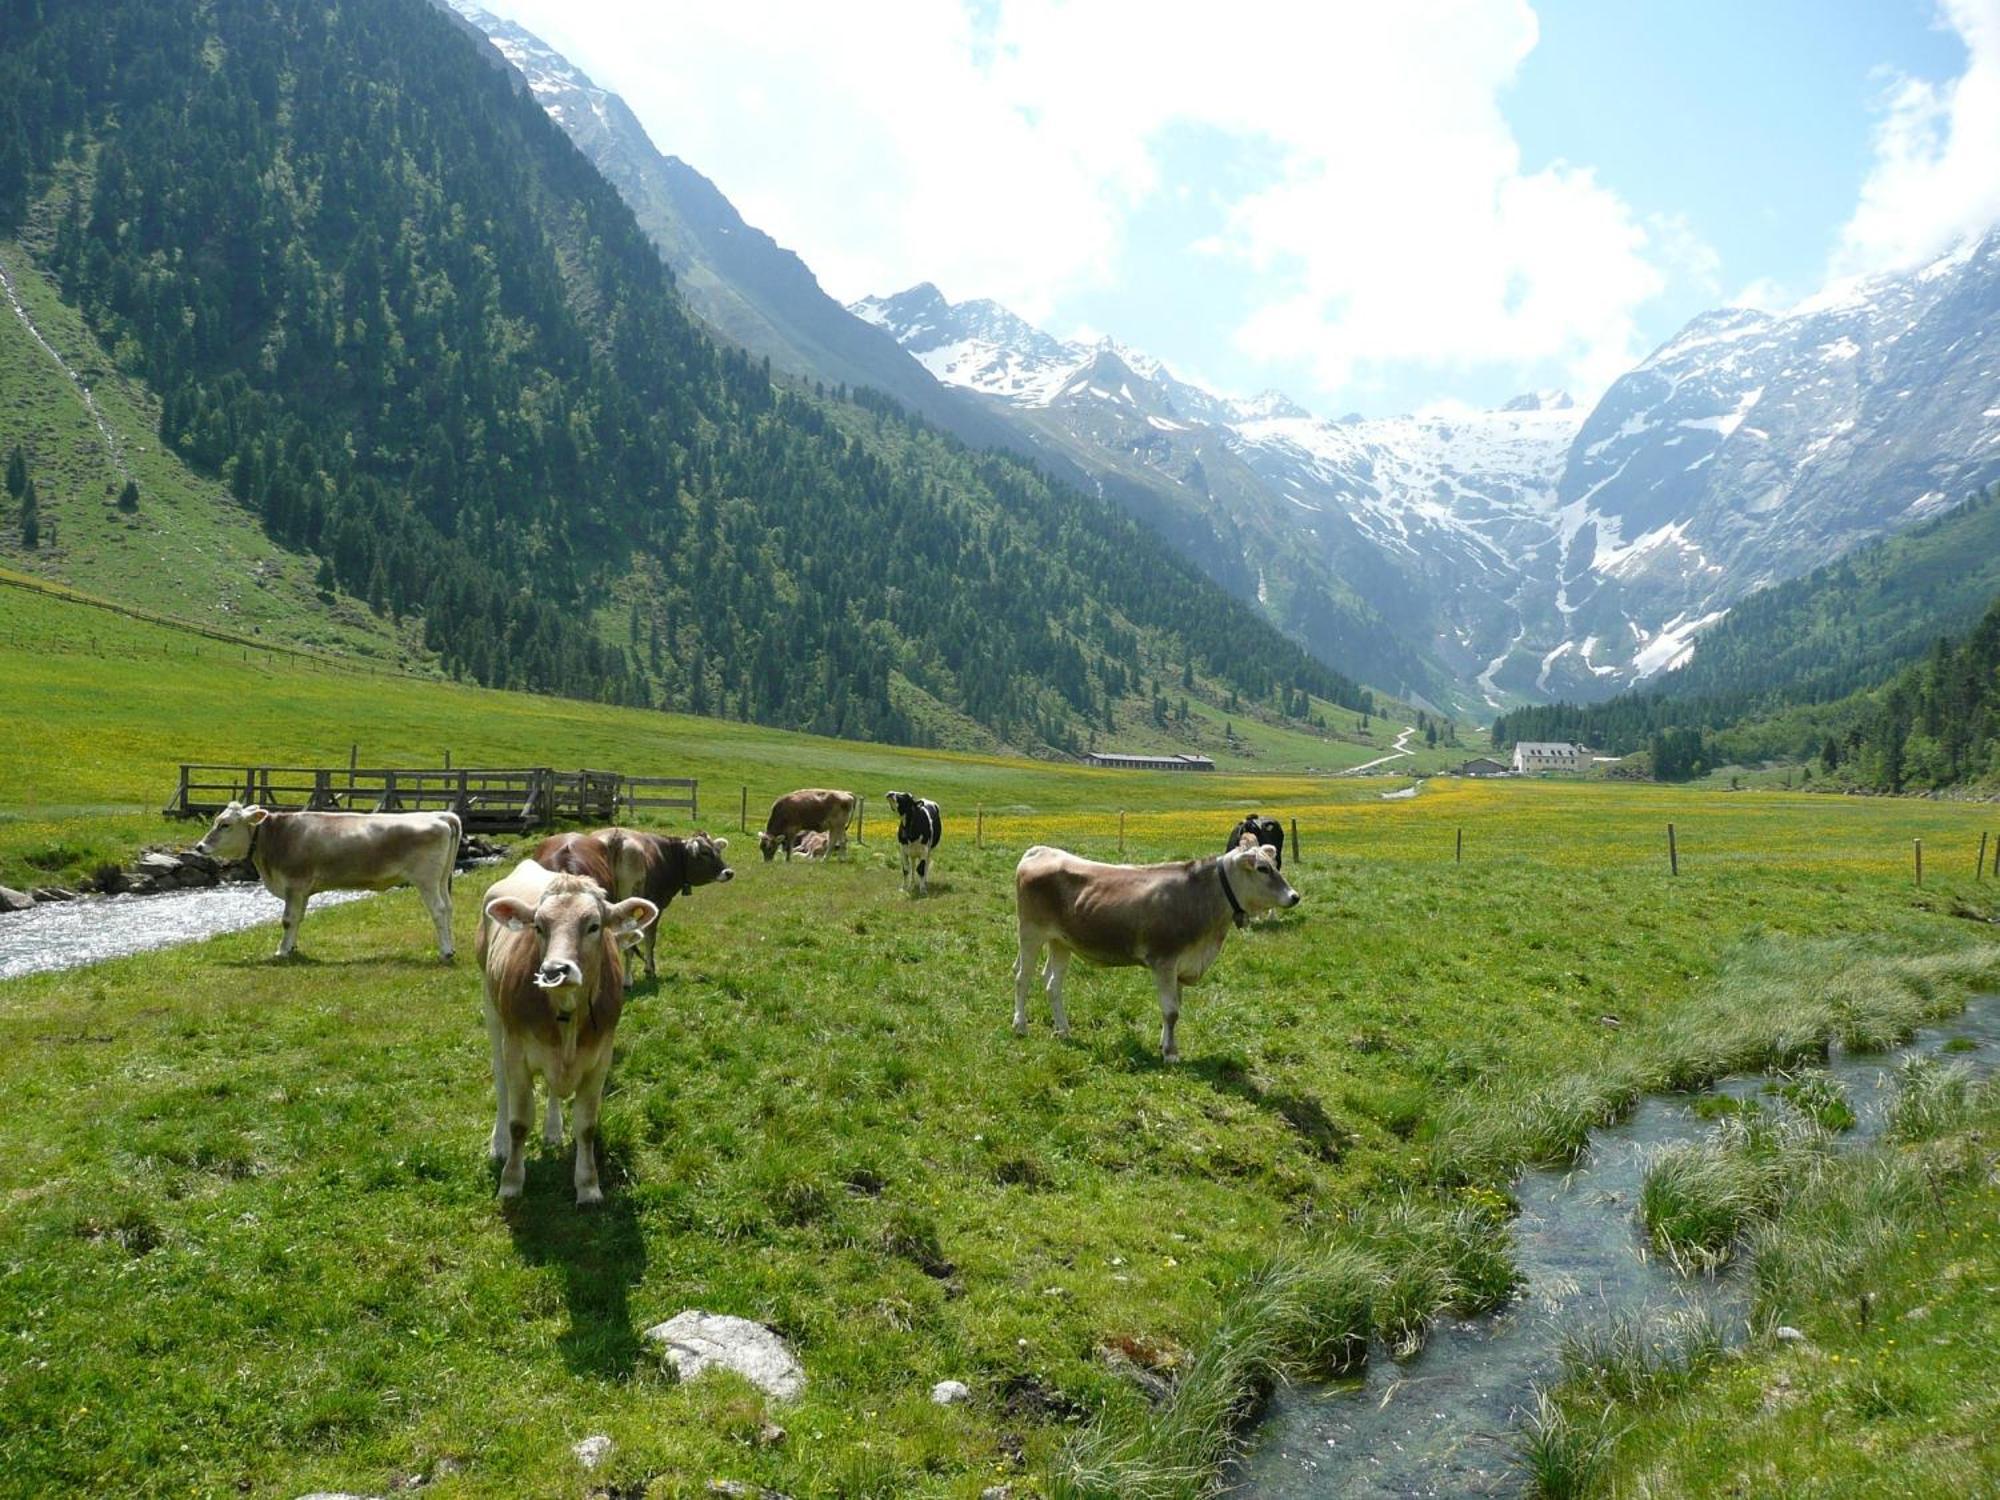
(1374, 207)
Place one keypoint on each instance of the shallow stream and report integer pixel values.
(65, 935)
(1443, 1423)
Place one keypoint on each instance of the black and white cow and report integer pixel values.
(920, 828)
(1257, 830)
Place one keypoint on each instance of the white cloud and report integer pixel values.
(1936, 173)
(1003, 150)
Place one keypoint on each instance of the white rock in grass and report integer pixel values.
(698, 1341)
(951, 1392)
(1789, 1335)
(593, 1450)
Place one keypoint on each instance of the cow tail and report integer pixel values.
(457, 838)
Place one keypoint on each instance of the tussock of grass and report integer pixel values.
(1932, 1099)
(1389, 1272)
(1631, 1359)
(1778, 1007)
(1699, 1197)
(1560, 1456)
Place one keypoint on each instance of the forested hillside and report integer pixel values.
(1837, 631)
(384, 299)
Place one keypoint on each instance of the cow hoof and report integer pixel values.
(1020, 1028)
(509, 1191)
(590, 1198)
(1172, 1057)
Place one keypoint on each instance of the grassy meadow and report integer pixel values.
(248, 1235)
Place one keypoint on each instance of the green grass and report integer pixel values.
(248, 1239)
(190, 550)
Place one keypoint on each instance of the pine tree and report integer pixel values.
(17, 473)
(128, 498)
(31, 517)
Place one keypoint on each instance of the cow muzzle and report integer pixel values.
(557, 974)
(726, 876)
(1293, 898)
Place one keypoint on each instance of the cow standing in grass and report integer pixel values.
(919, 827)
(811, 809)
(628, 862)
(550, 947)
(1169, 919)
(300, 854)
(1255, 830)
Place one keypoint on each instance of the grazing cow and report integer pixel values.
(1171, 919)
(549, 946)
(627, 862)
(299, 854)
(810, 845)
(814, 810)
(920, 828)
(1256, 830)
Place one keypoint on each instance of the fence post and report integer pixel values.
(1121, 830)
(860, 818)
(1297, 853)
(1920, 860)
(1996, 859)
(1673, 851)
(181, 801)
(1979, 864)
(743, 813)
(694, 800)
(1458, 857)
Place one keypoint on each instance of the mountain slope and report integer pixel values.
(740, 281)
(1844, 628)
(384, 299)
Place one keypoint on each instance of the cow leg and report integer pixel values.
(1058, 966)
(1169, 984)
(653, 942)
(924, 873)
(589, 1095)
(1026, 967)
(438, 898)
(552, 1121)
(520, 1104)
(295, 913)
(497, 1147)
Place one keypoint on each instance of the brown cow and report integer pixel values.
(299, 854)
(628, 862)
(550, 946)
(814, 809)
(1171, 919)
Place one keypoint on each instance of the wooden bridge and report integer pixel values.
(505, 800)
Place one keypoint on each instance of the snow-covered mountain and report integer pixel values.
(1540, 551)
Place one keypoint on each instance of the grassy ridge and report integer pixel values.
(247, 1232)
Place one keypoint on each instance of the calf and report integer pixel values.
(918, 831)
(1169, 919)
(549, 946)
(299, 854)
(1255, 830)
(812, 810)
(810, 846)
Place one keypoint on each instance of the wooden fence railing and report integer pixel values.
(506, 799)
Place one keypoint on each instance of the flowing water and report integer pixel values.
(71, 933)
(1443, 1423)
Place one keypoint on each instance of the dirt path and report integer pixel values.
(1400, 751)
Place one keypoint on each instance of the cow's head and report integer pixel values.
(900, 801)
(578, 933)
(1256, 879)
(229, 837)
(705, 864)
(770, 843)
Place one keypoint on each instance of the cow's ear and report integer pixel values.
(634, 915)
(510, 912)
(256, 814)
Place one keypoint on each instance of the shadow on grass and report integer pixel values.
(599, 1251)
(1304, 1115)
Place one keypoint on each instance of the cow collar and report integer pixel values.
(1222, 874)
